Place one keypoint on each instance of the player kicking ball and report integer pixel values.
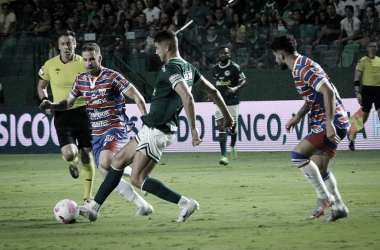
(329, 123)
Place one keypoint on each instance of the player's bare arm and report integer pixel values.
(188, 103)
(207, 86)
(60, 106)
(358, 76)
(135, 95)
(329, 101)
(42, 92)
(297, 118)
(232, 90)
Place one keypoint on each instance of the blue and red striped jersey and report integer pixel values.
(309, 76)
(105, 103)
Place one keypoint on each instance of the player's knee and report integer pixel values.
(69, 156)
(136, 181)
(299, 160)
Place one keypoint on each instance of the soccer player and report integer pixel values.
(172, 92)
(103, 91)
(370, 93)
(60, 73)
(229, 79)
(329, 123)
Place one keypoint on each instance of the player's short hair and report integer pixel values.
(373, 40)
(285, 42)
(166, 35)
(91, 47)
(67, 33)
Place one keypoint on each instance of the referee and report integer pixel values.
(368, 70)
(72, 125)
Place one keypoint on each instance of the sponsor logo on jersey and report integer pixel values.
(102, 91)
(57, 69)
(98, 115)
(188, 76)
(99, 124)
(100, 101)
(223, 83)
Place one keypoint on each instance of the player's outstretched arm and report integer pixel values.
(206, 86)
(188, 103)
(62, 105)
(135, 95)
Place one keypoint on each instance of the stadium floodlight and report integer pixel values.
(184, 26)
(230, 1)
(228, 4)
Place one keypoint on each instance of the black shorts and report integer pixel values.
(72, 125)
(370, 95)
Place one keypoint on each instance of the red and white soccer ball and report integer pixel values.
(66, 211)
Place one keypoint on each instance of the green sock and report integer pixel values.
(223, 143)
(159, 189)
(233, 139)
(108, 185)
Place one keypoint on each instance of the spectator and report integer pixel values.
(201, 16)
(95, 10)
(55, 33)
(330, 31)
(96, 26)
(223, 25)
(349, 27)
(307, 33)
(30, 19)
(312, 11)
(7, 20)
(140, 7)
(81, 14)
(58, 8)
(167, 8)
(238, 34)
(110, 36)
(210, 45)
(370, 28)
(264, 30)
(359, 7)
(299, 5)
(148, 45)
(273, 11)
(165, 23)
(141, 32)
(281, 28)
(152, 13)
(45, 25)
(321, 19)
(74, 26)
(124, 13)
(108, 10)
(322, 5)
(251, 13)
(256, 54)
(180, 16)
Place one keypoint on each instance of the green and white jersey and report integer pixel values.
(228, 75)
(166, 103)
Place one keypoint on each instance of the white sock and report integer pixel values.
(127, 171)
(311, 172)
(125, 190)
(332, 187)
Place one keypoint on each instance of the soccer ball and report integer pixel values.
(66, 211)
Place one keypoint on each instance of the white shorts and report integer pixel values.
(152, 142)
(233, 110)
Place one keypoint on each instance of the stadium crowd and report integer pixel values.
(322, 28)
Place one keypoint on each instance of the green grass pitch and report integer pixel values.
(259, 201)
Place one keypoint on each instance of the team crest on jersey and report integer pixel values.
(227, 73)
(57, 69)
(102, 91)
(163, 68)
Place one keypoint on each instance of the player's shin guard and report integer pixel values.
(332, 187)
(125, 190)
(88, 175)
(311, 172)
(156, 187)
(223, 143)
(108, 185)
(233, 139)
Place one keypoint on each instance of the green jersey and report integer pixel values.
(166, 103)
(228, 75)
